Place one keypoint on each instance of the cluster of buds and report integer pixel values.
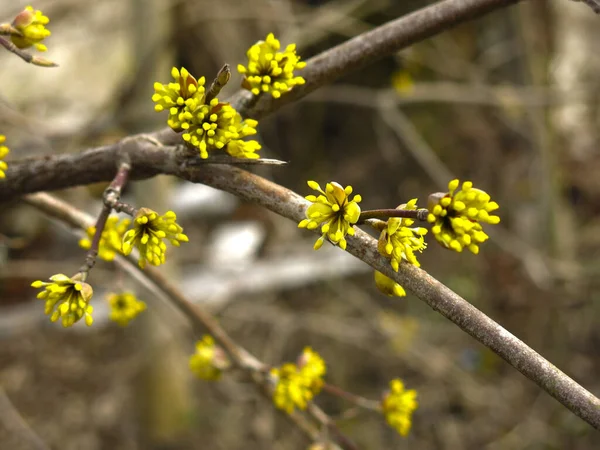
(456, 217)
(28, 29)
(269, 70)
(296, 384)
(206, 123)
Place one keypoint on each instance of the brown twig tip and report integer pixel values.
(35, 60)
(218, 83)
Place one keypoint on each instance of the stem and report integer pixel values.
(92, 253)
(111, 197)
(416, 214)
(27, 57)
(352, 398)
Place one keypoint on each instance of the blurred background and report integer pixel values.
(510, 101)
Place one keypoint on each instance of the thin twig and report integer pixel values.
(416, 214)
(27, 57)
(111, 197)
(200, 320)
(352, 398)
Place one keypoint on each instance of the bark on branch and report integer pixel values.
(149, 159)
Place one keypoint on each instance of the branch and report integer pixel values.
(371, 46)
(153, 154)
(439, 297)
(201, 320)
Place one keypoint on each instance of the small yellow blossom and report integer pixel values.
(211, 126)
(32, 25)
(239, 148)
(209, 361)
(181, 98)
(3, 152)
(457, 216)
(124, 307)
(399, 242)
(398, 406)
(333, 211)
(269, 70)
(297, 384)
(388, 286)
(66, 298)
(111, 239)
(403, 82)
(149, 230)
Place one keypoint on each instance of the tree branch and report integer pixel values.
(200, 320)
(153, 154)
(438, 296)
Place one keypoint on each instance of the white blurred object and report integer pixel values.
(235, 245)
(192, 199)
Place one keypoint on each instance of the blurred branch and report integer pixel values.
(13, 421)
(594, 4)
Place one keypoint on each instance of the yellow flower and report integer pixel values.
(110, 241)
(243, 149)
(67, 298)
(388, 286)
(32, 25)
(457, 216)
(334, 211)
(269, 70)
(297, 384)
(209, 361)
(3, 152)
(124, 307)
(181, 98)
(398, 405)
(399, 242)
(211, 126)
(149, 230)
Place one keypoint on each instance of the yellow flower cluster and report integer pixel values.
(205, 125)
(149, 230)
(270, 70)
(209, 361)
(333, 211)
(398, 406)
(457, 216)
(297, 384)
(66, 298)
(32, 25)
(110, 241)
(124, 307)
(399, 242)
(3, 152)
